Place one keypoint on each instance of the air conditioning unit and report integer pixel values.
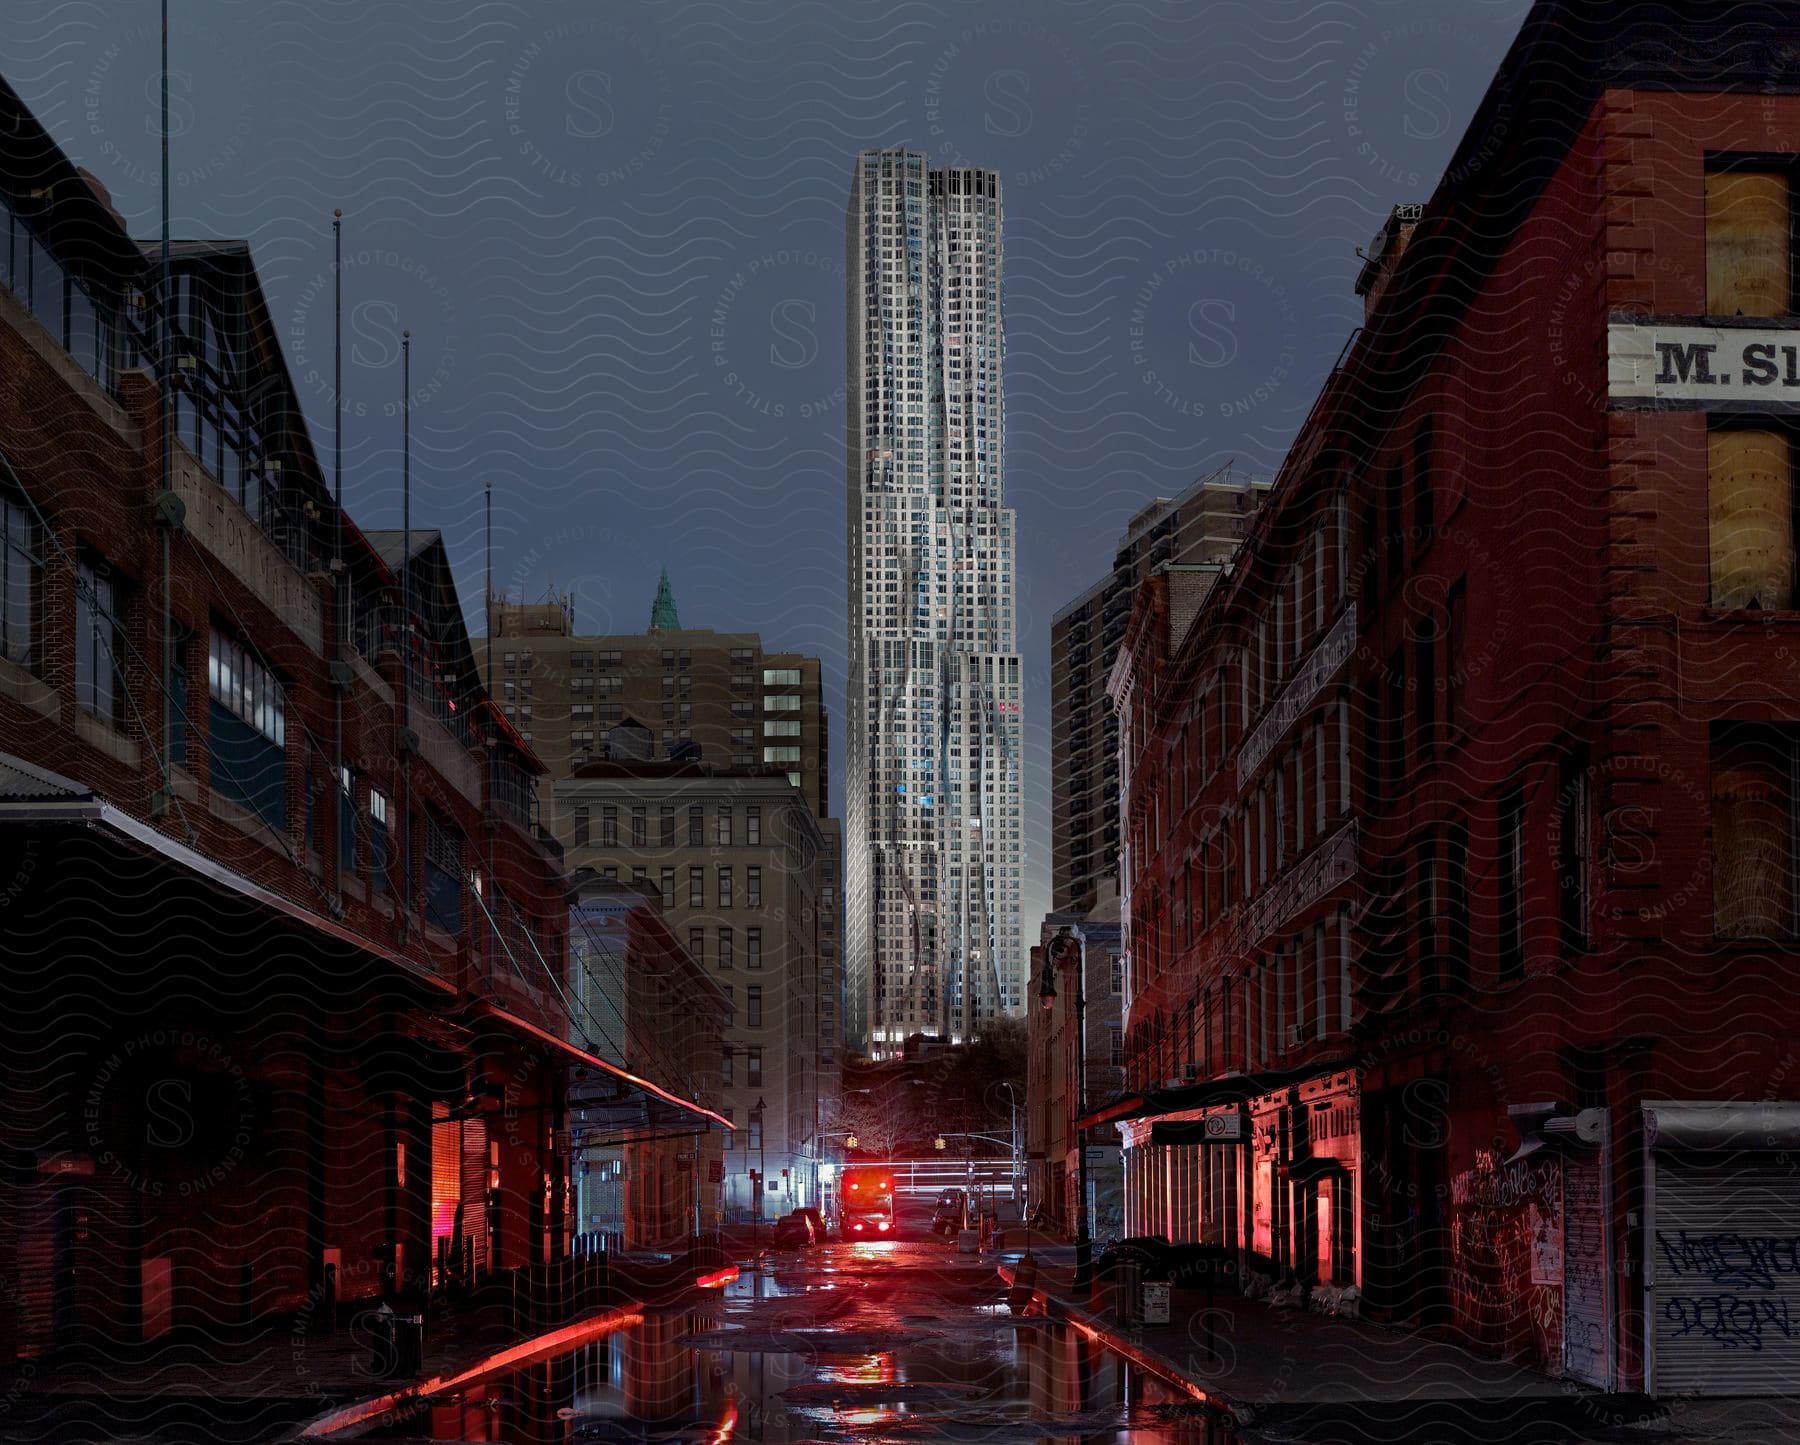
(1296, 1035)
(1173, 1083)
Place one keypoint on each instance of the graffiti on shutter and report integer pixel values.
(1587, 1347)
(1725, 1260)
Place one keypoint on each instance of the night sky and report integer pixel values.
(616, 231)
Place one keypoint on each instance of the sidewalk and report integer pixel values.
(1291, 1369)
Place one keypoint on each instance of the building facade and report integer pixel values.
(643, 1171)
(287, 949)
(738, 864)
(675, 691)
(934, 851)
(1060, 1055)
(717, 692)
(1204, 524)
(1460, 828)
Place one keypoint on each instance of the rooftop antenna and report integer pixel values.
(165, 347)
(340, 592)
(488, 492)
(409, 640)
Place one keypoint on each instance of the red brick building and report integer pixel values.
(286, 948)
(1461, 831)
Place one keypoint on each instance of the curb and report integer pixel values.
(1095, 1328)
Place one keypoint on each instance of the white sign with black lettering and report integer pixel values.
(1699, 366)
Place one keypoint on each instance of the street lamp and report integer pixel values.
(1061, 947)
(762, 1171)
(1018, 1140)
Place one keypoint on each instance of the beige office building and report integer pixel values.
(695, 764)
(719, 692)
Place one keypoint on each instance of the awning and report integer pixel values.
(650, 1101)
(1231, 1088)
(1189, 1131)
(30, 794)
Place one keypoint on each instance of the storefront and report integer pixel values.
(1183, 1175)
(1267, 1164)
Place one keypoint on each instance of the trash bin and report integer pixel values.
(409, 1344)
(381, 1343)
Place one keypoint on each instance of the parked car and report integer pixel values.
(820, 1232)
(947, 1216)
(795, 1231)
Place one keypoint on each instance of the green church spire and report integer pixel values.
(663, 617)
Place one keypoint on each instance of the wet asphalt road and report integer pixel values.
(904, 1341)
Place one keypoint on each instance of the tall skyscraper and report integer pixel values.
(933, 853)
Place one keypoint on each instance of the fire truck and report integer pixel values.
(866, 1201)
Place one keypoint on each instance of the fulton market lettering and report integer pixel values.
(1690, 367)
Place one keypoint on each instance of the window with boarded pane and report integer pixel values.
(1753, 769)
(248, 729)
(1749, 241)
(1750, 514)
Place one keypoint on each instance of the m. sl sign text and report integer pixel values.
(1685, 366)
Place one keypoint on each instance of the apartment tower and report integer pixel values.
(1201, 527)
(933, 850)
